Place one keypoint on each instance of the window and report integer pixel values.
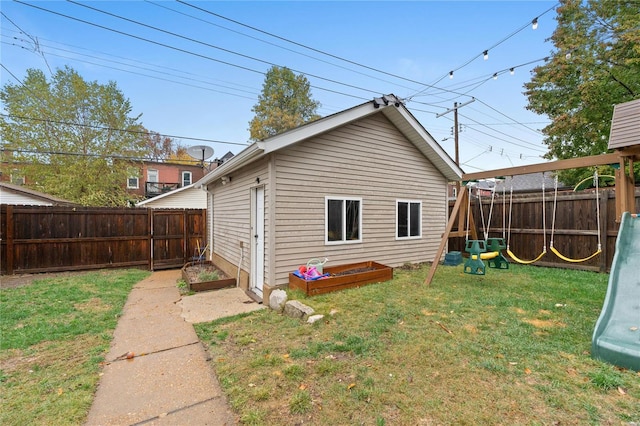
(408, 219)
(152, 185)
(343, 220)
(132, 182)
(186, 178)
(17, 178)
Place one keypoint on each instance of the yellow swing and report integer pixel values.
(553, 226)
(544, 228)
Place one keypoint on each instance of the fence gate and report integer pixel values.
(175, 237)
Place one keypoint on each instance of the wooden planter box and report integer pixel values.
(205, 285)
(379, 273)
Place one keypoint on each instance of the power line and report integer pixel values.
(242, 55)
(111, 156)
(301, 45)
(113, 129)
(188, 51)
(274, 44)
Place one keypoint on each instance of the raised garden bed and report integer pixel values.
(204, 276)
(341, 277)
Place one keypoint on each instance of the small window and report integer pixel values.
(186, 178)
(343, 220)
(133, 182)
(408, 219)
(16, 177)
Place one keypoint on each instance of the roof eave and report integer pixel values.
(244, 157)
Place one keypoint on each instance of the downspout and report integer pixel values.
(205, 188)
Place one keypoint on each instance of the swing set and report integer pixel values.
(491, 248)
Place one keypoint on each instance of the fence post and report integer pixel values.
(185, 235)
(9, 246)
(150, 236)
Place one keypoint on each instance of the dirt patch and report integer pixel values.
(353, 271)
(13, 281)
(92, 305)
(538, 323)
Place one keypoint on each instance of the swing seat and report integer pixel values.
(496, 245)
(568, 259)
(474, 265)
(485, 256)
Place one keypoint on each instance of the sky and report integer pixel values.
(195, 69)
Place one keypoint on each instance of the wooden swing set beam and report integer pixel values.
(572, 163)
(625, 199)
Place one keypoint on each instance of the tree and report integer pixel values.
(285, 103)
(68, 135)
(165, 148)
(596, 65)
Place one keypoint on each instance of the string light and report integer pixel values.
(495, 76)
(450, 75)
(534, 23)
(486, 54)
(512, 71)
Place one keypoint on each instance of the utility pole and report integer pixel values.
(456, 133)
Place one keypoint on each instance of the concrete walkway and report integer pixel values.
(168, 380)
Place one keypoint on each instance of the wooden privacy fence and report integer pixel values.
(576, 227)
(51, 239)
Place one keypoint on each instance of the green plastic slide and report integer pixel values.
(616, 338)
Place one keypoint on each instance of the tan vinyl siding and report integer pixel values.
(231, 217)
(333, 164)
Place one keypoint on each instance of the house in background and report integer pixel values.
(183, 197)
(367, 183)
(156, 177)
(20, 195)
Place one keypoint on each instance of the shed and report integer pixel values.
(20, 195)
(365, 184)
(187, 197)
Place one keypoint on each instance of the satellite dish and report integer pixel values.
(200, 152)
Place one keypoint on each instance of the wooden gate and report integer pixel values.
(175, 238)
(37, 239)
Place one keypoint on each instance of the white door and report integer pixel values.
(257, 237)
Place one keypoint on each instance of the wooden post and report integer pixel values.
(150, 236)
(462, 200)
(604, 226)
(9, 247)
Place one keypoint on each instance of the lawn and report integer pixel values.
(510, 347)
(54, 335)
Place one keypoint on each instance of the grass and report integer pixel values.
(510, 347)
(55, 333)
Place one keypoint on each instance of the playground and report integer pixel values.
(616, 337)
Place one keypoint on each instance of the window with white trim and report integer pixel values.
(408, 219)
(186, 178)
(343, 220)
(133, 182)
